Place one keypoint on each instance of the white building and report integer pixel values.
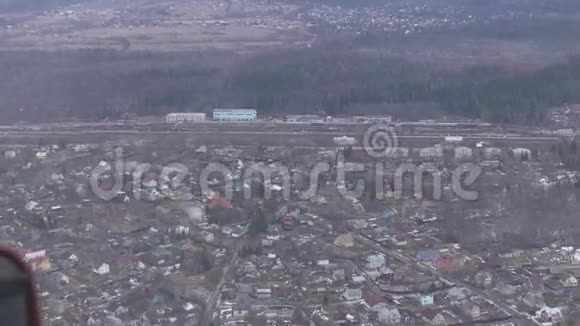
(374, 119)
(186, 117)
(375, 261)
(390, 315)
(263, 293)
(352, 294)
(345, 141)
(453, 139)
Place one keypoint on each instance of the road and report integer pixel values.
(213, 299)
(506, 309)
(478, 137)
(293, 139)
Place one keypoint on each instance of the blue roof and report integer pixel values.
(389, 212)
(219, 110)
(427, 255)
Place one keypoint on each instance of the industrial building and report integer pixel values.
(373, 119)
(185, 117)
(234, 114)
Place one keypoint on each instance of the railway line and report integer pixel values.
(264, 133)
(438, 137)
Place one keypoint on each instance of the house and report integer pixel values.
(31, 205)
(446, 263)
(104, 269)
(38, 260)
(427, 255)
(288, 222)
(226, 312)
(386, 274)
(373, 302)
(323, 262)
(344, 240)
(400, 239)
(375, 262)
(263, 293)
(471, 309)
(547, 314)
(483, 280)
(352, 294)
(569, 280)
(438, 317)
(426, 299)
(219, 201)
(457, 293)
(389, 315)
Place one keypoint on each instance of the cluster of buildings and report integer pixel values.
(217, 115)
(385, 17)
(177, 253)
(252, 115)
(395, 17)
(566, 117)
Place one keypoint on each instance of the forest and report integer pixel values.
(338, 82)
(95, 85)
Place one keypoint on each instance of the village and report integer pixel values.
(118, 234)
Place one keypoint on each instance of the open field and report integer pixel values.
(450, 32)
(144, 25)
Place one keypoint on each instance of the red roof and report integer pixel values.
(339, 316)
(431, 313)
(373, 300)
(106, 184)
(401, 237)
(288, 220)
(442, 262)
(219, 201)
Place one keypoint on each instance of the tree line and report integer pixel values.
(100, 85)
(320, 82)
